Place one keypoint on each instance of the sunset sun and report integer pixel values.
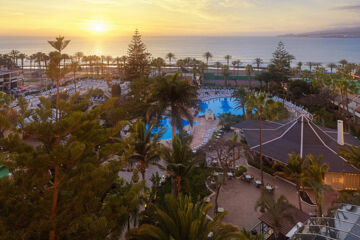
(98, 27)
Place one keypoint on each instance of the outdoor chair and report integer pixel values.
(258, 183)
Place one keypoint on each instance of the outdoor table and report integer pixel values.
(269, 188)
(258, 182)
(216, 174)
(230, 174)
(221, 210)
(248, 178)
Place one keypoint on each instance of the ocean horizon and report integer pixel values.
(324, 50)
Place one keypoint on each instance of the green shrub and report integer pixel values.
(256, 164)
(240, 170)
(349, 196)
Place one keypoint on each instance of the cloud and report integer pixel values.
(354, 7)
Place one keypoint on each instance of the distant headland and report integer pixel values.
(334, 33)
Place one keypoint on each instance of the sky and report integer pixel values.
(174, 17)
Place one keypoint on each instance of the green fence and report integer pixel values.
(213, 77)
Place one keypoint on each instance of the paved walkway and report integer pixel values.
(238, 198)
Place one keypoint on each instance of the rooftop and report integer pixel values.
(300, 136)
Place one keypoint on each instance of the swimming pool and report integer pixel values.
(166, 124)
(218, 105)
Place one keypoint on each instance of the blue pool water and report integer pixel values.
(219, 106)
(165, 123)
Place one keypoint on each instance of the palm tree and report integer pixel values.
(14, 54)
(331, 66)
(258, 62)
(31, 58)
(108, 59)
(179, 161)
(218, 65)
(352, 154)
(176, 94)
(65, 57)
(257, 104)
(75, 67)
(343, 85)
(143, 146)
(22, 57)
(343, 62)
(180, 64)
(202, 67)
(170, 56)
(225, 71)
(45, 59)
(59, 44)
(299, 65)
(38, 58)
(98, 65)
(249, 70)
(317, 65)
(124, 60)
(158, 63)
(240, 96)
(278, 211)
(227, 58)
(295, 171)
(315, 175)
(79, 56)
(207, 56)
(117, 61)
(310, 65)
(102, 58)
(181, 219)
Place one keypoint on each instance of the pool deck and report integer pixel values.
(199, 130)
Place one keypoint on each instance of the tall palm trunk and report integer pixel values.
(299, 199)
(173, 187)
(178, 185)
(142, 169)
(319, 208)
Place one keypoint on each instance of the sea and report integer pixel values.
(246, 49)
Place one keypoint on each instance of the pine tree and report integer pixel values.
(138, 60)
(93, 202)
(280, 63)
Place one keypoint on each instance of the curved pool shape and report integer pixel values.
(219, 106)
(165, 123)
